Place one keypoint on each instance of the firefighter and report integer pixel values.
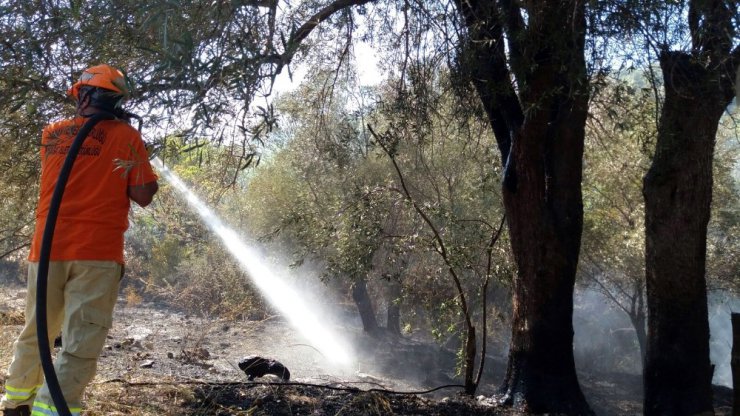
(86, 263)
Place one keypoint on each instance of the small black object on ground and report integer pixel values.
(256, 366)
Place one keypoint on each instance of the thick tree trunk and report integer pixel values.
(545, 220)
(678, 195)
(364, 306)
(540, 130)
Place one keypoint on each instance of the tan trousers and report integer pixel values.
(80, 300)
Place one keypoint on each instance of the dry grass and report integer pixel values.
(7, 337)
(11, 318)
(116, 399)
(132, 296)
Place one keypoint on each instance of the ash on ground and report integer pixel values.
(168, 363)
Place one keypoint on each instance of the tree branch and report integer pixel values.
(491, 244)
(302, 32)
(485, 60)
(441, 248)
(604, 289)
(13, 250)
(514, 27)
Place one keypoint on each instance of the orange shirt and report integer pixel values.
(94, 212)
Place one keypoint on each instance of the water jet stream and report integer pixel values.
(271, 284)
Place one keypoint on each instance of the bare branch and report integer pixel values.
(491, 244)
(604, 289)
(302, 32)
(13, 250)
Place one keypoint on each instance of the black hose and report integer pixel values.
(42, 278)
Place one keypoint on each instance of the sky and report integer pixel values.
(366, 61)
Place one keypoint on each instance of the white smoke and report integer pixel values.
(275, 285)
(721, 306)
(605, 339)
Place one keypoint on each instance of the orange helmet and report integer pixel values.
(102, 76)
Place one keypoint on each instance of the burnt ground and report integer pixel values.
(160, 362)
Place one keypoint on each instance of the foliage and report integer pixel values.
(331, 195)
(198, 66)
(19, 164)
(723, 234)
(173, 257)
(620, 139)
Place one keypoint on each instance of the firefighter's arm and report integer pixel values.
(143, 194)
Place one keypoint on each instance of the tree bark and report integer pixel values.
(545, 221)
(678, 196)
(393, 312)
(735, 363)
(638, 322)
(542, 149)
(364, 306)
(638, 318)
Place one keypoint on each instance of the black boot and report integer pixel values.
(18, 411)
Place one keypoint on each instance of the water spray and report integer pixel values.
(272, 285)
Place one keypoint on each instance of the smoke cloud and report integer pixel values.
(605, 340)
